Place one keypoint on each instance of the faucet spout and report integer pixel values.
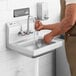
(28, 30)
(28, 26)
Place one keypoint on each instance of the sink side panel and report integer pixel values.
(47, 64)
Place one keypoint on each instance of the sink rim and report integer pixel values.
(25, 44)
(37, 52)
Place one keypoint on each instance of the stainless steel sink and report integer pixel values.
(28, 47)
(33, 44)
(33, 48)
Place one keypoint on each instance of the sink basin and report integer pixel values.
(33, 44)
(35, 48)
(27, 45)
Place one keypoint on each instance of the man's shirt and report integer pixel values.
(70, 1)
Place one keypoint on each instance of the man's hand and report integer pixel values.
(56, 30)
(59, 28)
(38, 25)
(48, 38)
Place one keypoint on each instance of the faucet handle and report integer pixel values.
(21, 32)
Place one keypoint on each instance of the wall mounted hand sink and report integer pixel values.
(34, 49)
(28, 47)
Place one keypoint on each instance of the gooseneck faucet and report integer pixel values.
(27, 32)
(28, 26)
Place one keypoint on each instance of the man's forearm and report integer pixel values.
(62, 27)
(65, 25)
(67, 22)
(50, 26)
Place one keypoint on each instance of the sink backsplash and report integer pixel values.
(12, 29)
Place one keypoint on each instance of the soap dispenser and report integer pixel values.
(42, 10)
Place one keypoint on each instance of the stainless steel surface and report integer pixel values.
(21, 12)
(28, 26)
(33, 44)
(47, 64)
(21, 32)
(28, 31)
(28, 46)
(42, 11)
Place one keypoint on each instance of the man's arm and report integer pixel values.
(67, 22)
(59, 28)
(70, 17)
